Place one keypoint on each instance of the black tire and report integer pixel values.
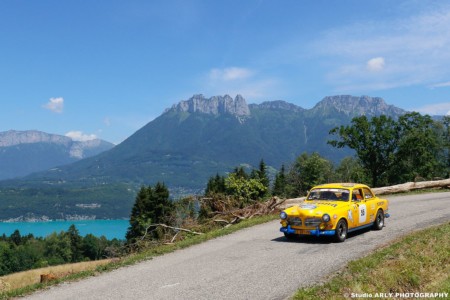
(290, 236)
(341, 231)
(379, 220)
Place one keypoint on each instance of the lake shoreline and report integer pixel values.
(114, 228)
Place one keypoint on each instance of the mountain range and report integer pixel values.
(188, 143)
(25, 152)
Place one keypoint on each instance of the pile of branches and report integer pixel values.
(224, 210)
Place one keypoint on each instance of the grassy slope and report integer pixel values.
(419, 262)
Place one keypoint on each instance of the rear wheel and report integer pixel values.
(341, 231)
(379, 220)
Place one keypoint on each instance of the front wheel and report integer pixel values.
(341, 231)
(379, 220)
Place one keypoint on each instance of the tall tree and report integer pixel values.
(350, 170)
(216, 185)
(152, 205)
(308, 171)
(160, 207)
(240, 172)
(76, 243)
(446, 142)
(279, 185)
(262, 174)
(139, 219)
(374, 141)
(420, 149)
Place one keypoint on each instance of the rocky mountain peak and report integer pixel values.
(215, 105)
(278, 105)
(13, 137)
(77, 149)
(352, 105)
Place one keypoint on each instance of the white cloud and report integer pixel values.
(236, 80)
(229, 74)
(80, 136)
(417, 48)
(375, 64)
(55, 105)
(441, 84)
(438, 109)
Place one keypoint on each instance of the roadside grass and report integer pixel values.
(20, 284)
(29, 280)
(419, 262)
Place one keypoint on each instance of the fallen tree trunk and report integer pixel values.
(411, 186)
(399, 188)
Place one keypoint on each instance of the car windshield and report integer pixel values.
(329, 194)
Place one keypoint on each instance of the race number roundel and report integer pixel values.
(362, 213)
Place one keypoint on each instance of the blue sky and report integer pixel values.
(106, 68)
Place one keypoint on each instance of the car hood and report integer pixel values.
(315, 208)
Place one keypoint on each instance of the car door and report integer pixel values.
(358, 208)
(371, 206)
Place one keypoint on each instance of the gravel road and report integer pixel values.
(254, 263)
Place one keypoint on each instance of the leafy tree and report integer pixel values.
(279, 185)
(375, 143)
(420, 149)
(350, 170)
(308, 171)
(5, 258)
(91, 247)
(446, 144)
(58, 248)
(244, 189)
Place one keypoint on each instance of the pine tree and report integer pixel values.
(76, 243)
(279, 186)
(262, 173)
(152, 206)
(216, 185)
(138, 216)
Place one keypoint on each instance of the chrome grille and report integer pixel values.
(313, 222)
(295, 221)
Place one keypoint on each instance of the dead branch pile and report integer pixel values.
(225, 211)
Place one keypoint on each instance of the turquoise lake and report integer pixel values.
(109, 228)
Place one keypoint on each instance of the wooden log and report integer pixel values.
(411, 186)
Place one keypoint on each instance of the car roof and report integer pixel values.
(348, 185)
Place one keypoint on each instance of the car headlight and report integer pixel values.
(326, 218)
(283, 215)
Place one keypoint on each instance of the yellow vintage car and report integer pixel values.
(334, 210)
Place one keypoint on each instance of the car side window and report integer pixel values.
(367, 193)
(357, 195)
